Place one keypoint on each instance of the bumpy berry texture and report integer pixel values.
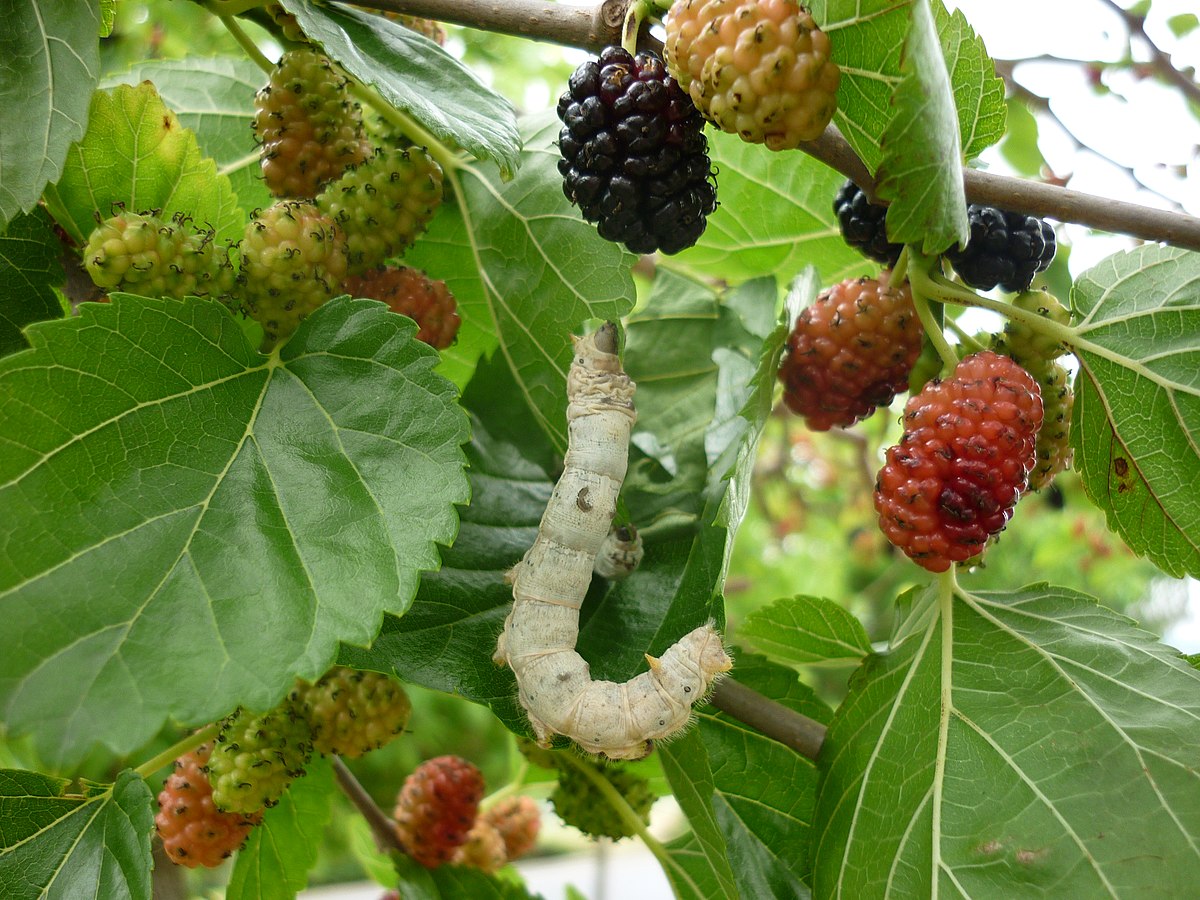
(309, 129)
(143, 253)
(287, 23)
(293, 260)
(967, 450)
(384, 203)
(412, 293)
(353, 712)
(256, 757)
(863, 224)
(1024, 342)
(761, 69)
(1036, 351)
(437, 807)
(1004, 248)
(1053, 450)
(483, 850)
(634, 156)
(579, 803)
(518, 821)
(850, 352)
(193, 831)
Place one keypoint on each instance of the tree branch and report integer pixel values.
(382, 827)
(776, 721)
(597, 26)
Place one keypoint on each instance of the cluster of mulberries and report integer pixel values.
(193, 830)
(438, 819)
(634, 155)
(147, 254)
(761, 69)
(352, 712)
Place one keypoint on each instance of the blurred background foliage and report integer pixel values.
(810, 528)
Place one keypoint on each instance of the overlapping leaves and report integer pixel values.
(190, 525)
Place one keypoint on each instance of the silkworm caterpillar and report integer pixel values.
(555, 687)
(620, 554)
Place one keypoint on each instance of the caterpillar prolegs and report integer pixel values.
(549, 583)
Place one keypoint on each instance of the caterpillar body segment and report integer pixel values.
(555, 687)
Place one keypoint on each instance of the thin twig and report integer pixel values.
(1160, 60)
(776, 721)
(382, 827)
(1005, 68)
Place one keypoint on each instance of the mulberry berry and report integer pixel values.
(967, 450)
(412, 293)
(310, 132)
(1004, 248)
(1053, 450)
(518, 821)
(193, 831)
(383, 204)
(578, 802)
(850, 352)
(483, 850)
(437, 807)
(257, 756)
(143, 253)
(761, 69)
(293, 260)
(353, 712)
(863, 224)
(634, 155)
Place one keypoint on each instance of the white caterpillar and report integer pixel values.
(549, 583)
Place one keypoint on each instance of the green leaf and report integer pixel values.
(137, 154)
(51, 54)
(527, 272)
(214, 97)
(1136, 422)
(54, 844)
(170, 497)
(921, 169)
(416, 76)
(1030, 743)
(775, 216)
(805, 630)
(29, 272)
(1020, 146)
(454, 883)
(1183, 24)
(701, 867)
(274, 862)
(867, 38)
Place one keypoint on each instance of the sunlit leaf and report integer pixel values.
(806, 630)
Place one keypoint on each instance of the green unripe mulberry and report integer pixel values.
(256, 757)
(1023, 342)
(383, 204)
(353, 712)
(293, 260)
(580, 803)
(143, 253)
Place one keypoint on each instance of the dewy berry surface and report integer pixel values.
(967, 450)
(634, 155)
(850, 352)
